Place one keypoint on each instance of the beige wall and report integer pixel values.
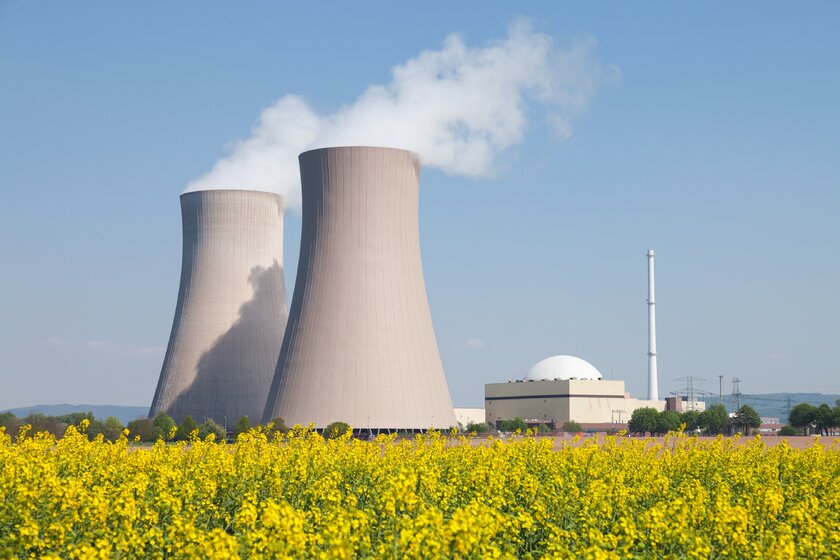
(466, 415)
(585, 401)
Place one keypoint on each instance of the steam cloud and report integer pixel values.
(458, 107)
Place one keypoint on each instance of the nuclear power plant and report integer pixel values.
(562, 389)
(231, 310)
(360, 346)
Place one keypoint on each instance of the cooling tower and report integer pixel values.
(231, 309)
(359, 346)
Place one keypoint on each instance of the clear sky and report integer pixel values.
(717, 147)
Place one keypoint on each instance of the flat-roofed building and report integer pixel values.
(560, 389)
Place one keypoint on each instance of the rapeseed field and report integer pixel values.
(298, 495)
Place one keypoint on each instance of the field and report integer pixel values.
(300, 496)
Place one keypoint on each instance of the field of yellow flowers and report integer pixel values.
(300, 496)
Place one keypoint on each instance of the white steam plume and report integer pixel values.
(458, 107)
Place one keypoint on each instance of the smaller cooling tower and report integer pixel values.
(360, 346)
(231, 310)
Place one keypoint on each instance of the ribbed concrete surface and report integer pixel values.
(360, 346)
(231, 310)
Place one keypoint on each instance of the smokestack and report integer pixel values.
(231, 310)
(653, 384)
(360, 346)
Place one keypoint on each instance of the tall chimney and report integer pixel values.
(653, 385)
(231, 309)
(360, 347)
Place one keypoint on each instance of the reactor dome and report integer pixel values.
(562, 367)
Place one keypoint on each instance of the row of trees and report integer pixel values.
(809, 419)
(714, 420)
(146, 429)
(111, 428)
(511, 426)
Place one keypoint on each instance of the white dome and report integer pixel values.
(562, 367)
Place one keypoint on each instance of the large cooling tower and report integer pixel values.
(359, 346)
(231, 310)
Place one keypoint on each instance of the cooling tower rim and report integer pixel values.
(249, 191)
(364, 147)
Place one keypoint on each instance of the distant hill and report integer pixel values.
(775, 404)
(100, 411)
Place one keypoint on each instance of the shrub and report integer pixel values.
(789, 430)
(277, 426)
(164, 426)
(513, 425)
(478, 427)
(210, 427)
(143, 428)
(336, 430)
(242, 426)
(571, 427)
(186, 428)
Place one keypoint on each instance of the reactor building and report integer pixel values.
(231, 310)
(359, 345)
(560, 389)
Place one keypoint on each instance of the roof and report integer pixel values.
(562, 367)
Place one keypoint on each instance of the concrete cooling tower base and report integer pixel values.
(360, 347)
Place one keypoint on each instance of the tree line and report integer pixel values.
(146, 430)
(712, 421)
(808, 419)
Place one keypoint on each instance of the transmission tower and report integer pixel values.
(736, 393)
(690, 391)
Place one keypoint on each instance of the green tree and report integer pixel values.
(513, 425)
(835, 417)
(43, 423)
(823, 419)
(667, 421)
(10, 422)
(691, 419)
(802, 416)
(75, 418)
(144, 428)
(210, 427)
(746, 420)
(164, 425)
(571, 427)
(276, 427)
(788, 430)
(186, 428)
(95, 428)
(644, 420)
(478, 427)
(715, 419)
(112, 428)
(242, 426)
(336, 430)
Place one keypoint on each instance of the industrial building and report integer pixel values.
(231, 310)
(560, 389)
(684, 403)
(359, 345)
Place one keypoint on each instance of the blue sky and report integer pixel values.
(717, 147)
